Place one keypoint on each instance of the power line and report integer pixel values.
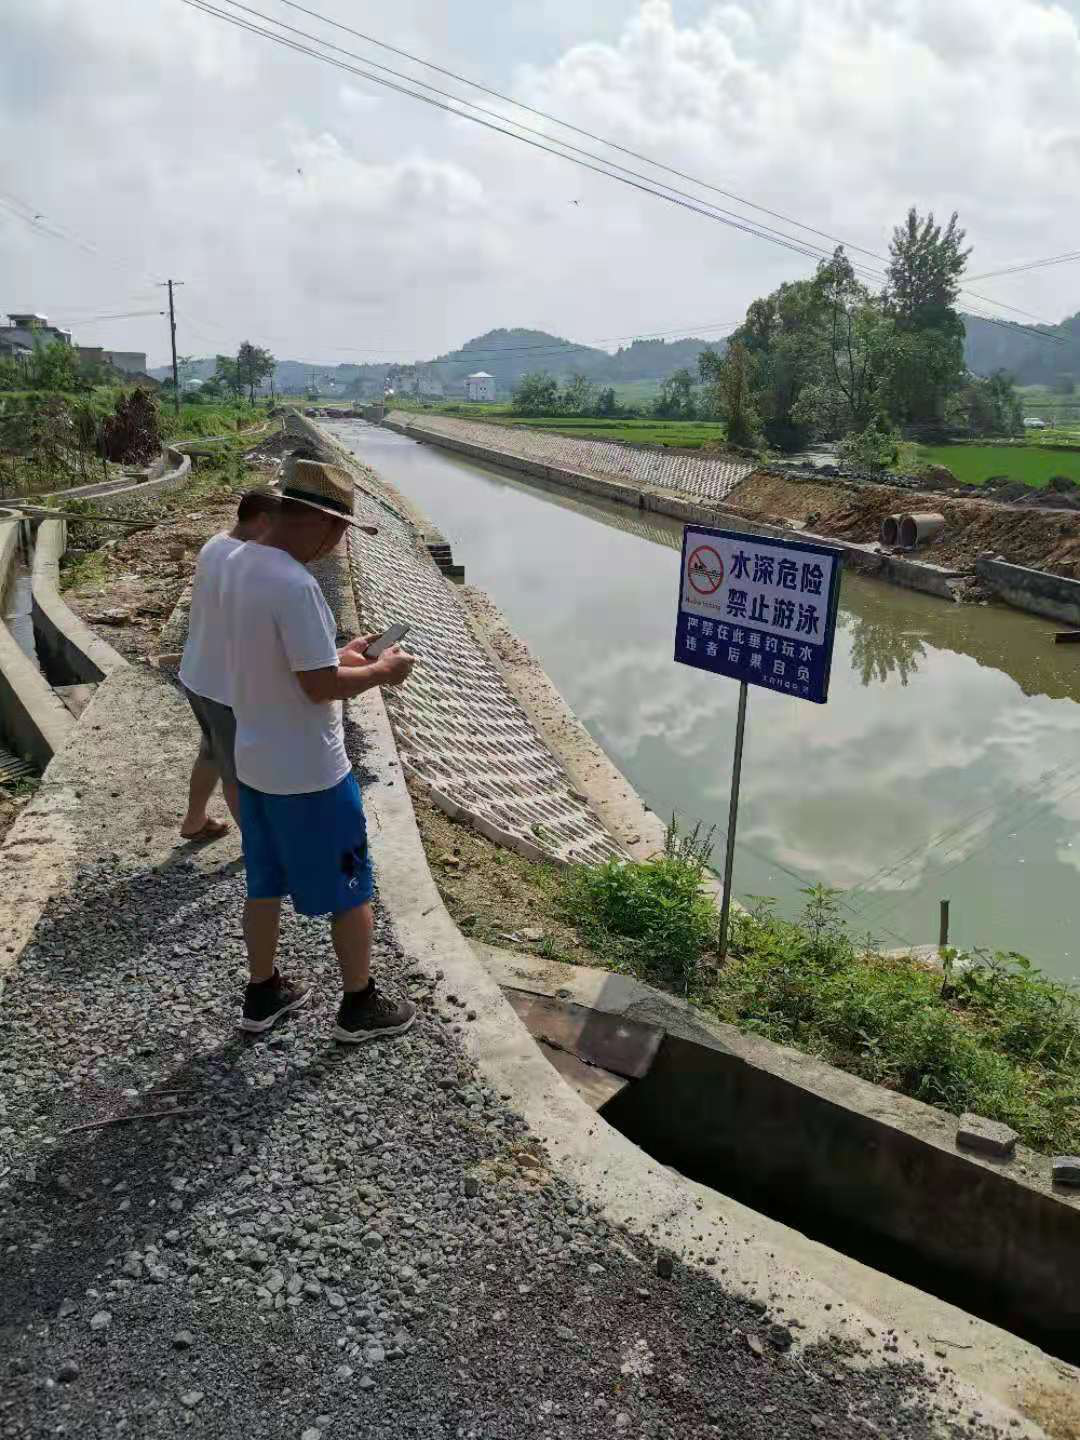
(1034, 813)
(701, 208)
(628, 177)
(1027, 265)
(94, 319)
(23, 210)
(496, 115)
(566, 125)
(577, 130)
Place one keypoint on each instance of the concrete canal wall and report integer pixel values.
(1054, 596)
(169, 472)
(34, 722)
(665, 486)
(70, 651)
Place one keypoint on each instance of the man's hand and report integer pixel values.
(395, 666)
(353, 653)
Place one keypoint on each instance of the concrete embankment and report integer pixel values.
(461, 732)
(1054, 596)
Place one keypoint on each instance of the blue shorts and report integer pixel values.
(311, 847)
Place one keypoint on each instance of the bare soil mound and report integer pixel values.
(1044, 538)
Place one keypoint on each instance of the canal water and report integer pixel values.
(946, 763)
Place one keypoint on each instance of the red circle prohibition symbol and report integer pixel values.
(705, 570)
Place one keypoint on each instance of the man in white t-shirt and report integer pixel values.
(204, 672)
(300, 810)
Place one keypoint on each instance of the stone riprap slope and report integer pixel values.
(458, 727)
(703, 477)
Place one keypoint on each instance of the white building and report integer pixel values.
(1032, 422)
(480, 386)
(430, 388)
(27, 331)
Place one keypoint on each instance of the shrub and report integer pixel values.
(652, 917)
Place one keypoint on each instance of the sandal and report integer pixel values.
(212, 830)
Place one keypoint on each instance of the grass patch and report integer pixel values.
(993, 1035)
(975, 464)
(86, 571)
(194, 421)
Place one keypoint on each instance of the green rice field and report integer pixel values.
(975, 464)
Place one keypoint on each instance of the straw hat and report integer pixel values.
(311, 482)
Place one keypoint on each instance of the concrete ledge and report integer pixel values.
(865, 1159)
(176, 467)
(866, 559)
(1035, 590)
(33, 720)
(67, 646)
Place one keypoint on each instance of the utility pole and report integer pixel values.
(172, 334)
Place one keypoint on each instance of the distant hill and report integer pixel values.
(505, 354)
(1032, 354)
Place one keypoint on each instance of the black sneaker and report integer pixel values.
(370, 1015)
(269, 1000)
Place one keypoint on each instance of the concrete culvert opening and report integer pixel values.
(890, 531)
(918, 528)
(932, 1219)
(868, 1173)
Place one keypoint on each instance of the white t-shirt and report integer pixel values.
(203, 668)
(276, 623)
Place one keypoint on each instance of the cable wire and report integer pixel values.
(627, 177)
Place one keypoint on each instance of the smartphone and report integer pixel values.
(393, 636)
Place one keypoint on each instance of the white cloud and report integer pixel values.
(172, 143)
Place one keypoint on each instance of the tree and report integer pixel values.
(923, 285)
(185, 366)
(854, 338)
(987, 406)
(227, 375)
(253, 366)
(924, 272)
(728, 378)
(578, 397)
(785, 339)
(606, 403)
(1064, 384)
(536, 394)
(53, 367)
(676, 398)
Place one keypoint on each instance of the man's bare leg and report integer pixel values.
(204, 776)
(351, 931)
(262, 922)
(231, 791)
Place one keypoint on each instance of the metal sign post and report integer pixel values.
(760, 610)
(733, 818)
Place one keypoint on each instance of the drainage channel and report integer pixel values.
(939, 1222)
(19, 621)
(18, 616)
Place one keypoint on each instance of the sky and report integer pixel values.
(329, 219)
